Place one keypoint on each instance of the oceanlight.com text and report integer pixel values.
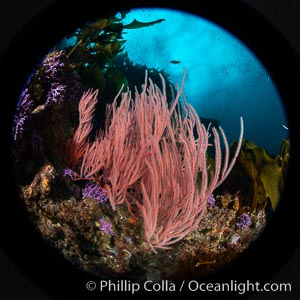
(191, 285)
(239, 287)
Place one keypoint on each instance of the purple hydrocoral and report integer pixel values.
(105, 226)
(24, 108)
(70, 173)
(61, 81)
(211, 201)
(244, 221)
(51, 83)
(51, 75)
(56, 93)
(94, 191)
(53, 64)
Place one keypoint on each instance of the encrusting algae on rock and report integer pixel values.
(71, 223)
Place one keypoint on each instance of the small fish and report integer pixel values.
(132, 220)
(135, 24)
(236, 204)
(286, 128)
(201, 263)
(38, 109)
(175, 62)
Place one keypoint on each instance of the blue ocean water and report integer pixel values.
(225, 80)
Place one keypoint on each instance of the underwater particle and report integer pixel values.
(244, 221)
(284, 127)
(105, 226)
(211, 201)
(24, 108)
(70, 173)
(94, 191)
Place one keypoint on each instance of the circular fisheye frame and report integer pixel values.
(153, 144)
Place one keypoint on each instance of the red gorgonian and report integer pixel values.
(153, 157)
